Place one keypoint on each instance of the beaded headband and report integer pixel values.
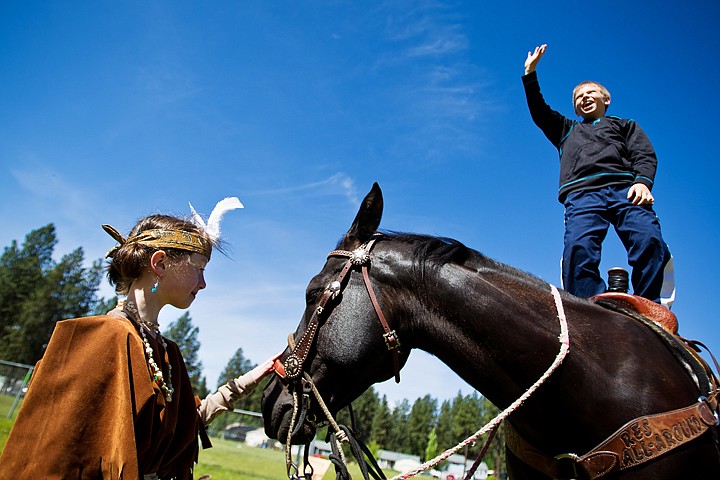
(170, 238)
(162, 239)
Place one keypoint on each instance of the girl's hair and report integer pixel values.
(131, 259)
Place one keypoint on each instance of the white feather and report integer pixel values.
(223, 206)
(197, 219)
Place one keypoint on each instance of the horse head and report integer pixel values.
(340, 342)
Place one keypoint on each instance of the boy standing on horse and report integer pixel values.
(607, 169)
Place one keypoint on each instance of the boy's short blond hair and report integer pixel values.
(605, 92)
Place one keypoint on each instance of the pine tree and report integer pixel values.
(444, 426)
(381, 429)
(496, 453)
(36, 292)
(421, 420)
(431, 450)
(21, 274)
(239, 365)
(467, 416)
(398, 440)
(364, 408)
(104, 305)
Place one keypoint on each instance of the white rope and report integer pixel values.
(289, 464)
(339, 433)
(564, 339)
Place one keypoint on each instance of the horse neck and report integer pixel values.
(497, 330)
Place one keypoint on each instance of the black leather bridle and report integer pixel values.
(292, 367)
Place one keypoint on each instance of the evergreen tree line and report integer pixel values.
(423, 428)
(37, 291)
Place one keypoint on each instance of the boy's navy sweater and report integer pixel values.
(608, 151)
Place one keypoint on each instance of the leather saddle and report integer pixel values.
(647, 308)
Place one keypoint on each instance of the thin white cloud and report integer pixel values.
(439, 95)
(337, 184)
(42, 181)
(424, 28)
(50, 188)
(442, 44)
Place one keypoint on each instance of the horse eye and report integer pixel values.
(312, 295)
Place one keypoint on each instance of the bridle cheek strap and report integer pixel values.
(361, 257)
(391, 339)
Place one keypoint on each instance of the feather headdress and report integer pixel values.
(212, 226)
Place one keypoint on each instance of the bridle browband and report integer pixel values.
(292, 368)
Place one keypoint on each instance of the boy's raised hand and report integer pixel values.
(533, 58)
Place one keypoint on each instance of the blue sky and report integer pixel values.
(114, 110)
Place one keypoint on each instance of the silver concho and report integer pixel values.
(292, 366)
(334, 289)
(359, 256)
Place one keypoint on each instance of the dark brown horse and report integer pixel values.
(498, 329)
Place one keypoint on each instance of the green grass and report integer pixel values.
(227, 460)
(6, 423)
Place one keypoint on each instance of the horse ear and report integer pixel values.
(368, 217)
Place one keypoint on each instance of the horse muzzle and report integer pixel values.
(279, 408)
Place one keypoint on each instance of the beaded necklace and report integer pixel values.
(167, 389)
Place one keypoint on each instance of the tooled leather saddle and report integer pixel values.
(653, 311)
(611, 455)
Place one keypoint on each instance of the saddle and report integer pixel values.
(655, 312)
(614, 454)
(665, 324)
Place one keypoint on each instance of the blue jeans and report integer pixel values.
(588, 214)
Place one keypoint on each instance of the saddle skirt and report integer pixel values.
(653, 311)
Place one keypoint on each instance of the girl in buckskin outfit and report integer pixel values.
(111, 397)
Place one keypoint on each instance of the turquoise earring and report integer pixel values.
(155, 287)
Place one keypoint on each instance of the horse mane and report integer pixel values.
(430, 253)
